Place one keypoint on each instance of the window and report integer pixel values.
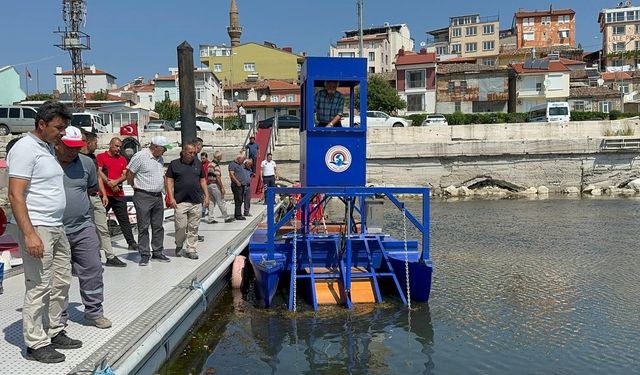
(14, 112)
(457, 32)
(618, 62)
(199, 93)
(618, 30)
(567, 18)
(451, 88)
(618, 46)
(150, 98)
(471, 47)
(624, 88)
(299, 68)
(546, 20)
(442, 50)
(489, 62)
(416, 79)
(604, 107)
(249, 67)
(463, 87)
(456, 48)
(457, 107)
(638, 29)
(538, 86)
(637, 45)
(30, 113)
(563, 34)
(487, 29)
(372, 69)
(291, 98)
(556, 82)
(579, 106)
(3, 112)
(488, 46)
(630, 16)
(372, 56)
(528, 21)
(274, 98)
(217, 68)
(528, 36)
(166, 95)
(415, 103)
(618, 16)
(471, 31)
(346, 54)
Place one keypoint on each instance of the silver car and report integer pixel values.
(15, 119)
(435, 119)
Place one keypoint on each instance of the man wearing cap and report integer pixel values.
(329, 104)
(146, 174)
(36, 193)
(79, 174)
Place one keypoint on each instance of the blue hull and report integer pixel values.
(267, 277)
(419, 278)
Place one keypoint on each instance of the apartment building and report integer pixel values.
(468, 36)
(94, 78)
(620, 28)
(472, 88)
(380, 45)
(545, 28)
(416, 81)
(537, 82)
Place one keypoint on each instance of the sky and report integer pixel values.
(137, 38)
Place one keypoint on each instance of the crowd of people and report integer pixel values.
(60, 192)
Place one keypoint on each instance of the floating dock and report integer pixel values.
(151, 308)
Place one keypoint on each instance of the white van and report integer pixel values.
(15, 119)
(550, 112)
(89, 122)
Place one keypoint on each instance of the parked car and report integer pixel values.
(377, 119)
(14, 119)
(89, 121)
(284, 122)
(203, 123)
(435, 119)
(158, 126)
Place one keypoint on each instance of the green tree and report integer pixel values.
(100, 95)
(167, 110)
(39, 96)
(381, 96)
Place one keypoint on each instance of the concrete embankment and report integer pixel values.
(557, 156)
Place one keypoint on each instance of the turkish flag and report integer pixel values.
(129, 129)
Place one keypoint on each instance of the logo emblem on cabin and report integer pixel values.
(338, 159)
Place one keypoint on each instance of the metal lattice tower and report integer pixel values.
(73, 40)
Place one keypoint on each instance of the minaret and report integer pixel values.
(234, 29)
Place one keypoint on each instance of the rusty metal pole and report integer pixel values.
(187, 89)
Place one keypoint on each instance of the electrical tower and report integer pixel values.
(74, 41)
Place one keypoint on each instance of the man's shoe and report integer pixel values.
(62, 341)
(212, 222)
(161, 257)
(115, 262)
(178, 250)
(229, 220)
(241, 218)
(144, 260)
(46, 354)
(191, 255)
(200, 238)
(133, 246)
(101, 322)
(248, 215)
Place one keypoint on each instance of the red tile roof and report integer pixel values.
(87, 72)
(554, 67)
(537, 13)
(281, 85)
(457, 60)
(571, 62)
(616, 76)
(110, 97)
(261, 104)
(416, 58)
(166, 78)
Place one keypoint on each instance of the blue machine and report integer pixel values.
(300, 245)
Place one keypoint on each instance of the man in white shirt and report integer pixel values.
(36, 193)
(269, 173)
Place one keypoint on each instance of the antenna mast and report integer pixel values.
(73, 40)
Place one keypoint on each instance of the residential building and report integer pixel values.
(95, 80)
(468, 36)
(251, 61)
(509, 55)
(10, 91)
(472, 88)
(416, 81)
(166, 88)
(380, 45)
(138, 91)
(208, 89)
(595, 99)
(545, 28)
(536, 82)
(620, 28)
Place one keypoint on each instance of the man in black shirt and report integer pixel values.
(187, 190)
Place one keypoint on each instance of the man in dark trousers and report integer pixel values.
(248, 170)
(112, 168)
(252, 152)
(238, 179)
(79, 174)
(187, 190)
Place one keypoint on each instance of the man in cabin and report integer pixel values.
(216, 189)
(187, 190)
(329, 104)
(80, 173)
(248, 175)
(252, 149)
(99, 201)
(237, 176)
(146, 174)
(112, 167)
(36, 193)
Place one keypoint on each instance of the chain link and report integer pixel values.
(294, 267)
(406, 257)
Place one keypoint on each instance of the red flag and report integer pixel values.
(129, 130)
(28, 73)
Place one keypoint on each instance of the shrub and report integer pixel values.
(588, 116)
(230, 122)
(459, 118)
(417, 118)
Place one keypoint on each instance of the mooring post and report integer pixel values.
(187, 93)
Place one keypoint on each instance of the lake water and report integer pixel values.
(526, 287)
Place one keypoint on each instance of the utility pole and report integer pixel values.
(74, 41)
(360, 38)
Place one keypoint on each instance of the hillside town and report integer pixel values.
(469, 64)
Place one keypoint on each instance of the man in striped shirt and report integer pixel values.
(329, 104)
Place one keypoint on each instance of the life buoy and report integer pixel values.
(3, 222)
(237, 271)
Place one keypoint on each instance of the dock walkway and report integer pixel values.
(151, 307)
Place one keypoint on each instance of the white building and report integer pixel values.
(620, 30)
(207, 85)
(140, 92)
(380, 45)
(95, 80)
